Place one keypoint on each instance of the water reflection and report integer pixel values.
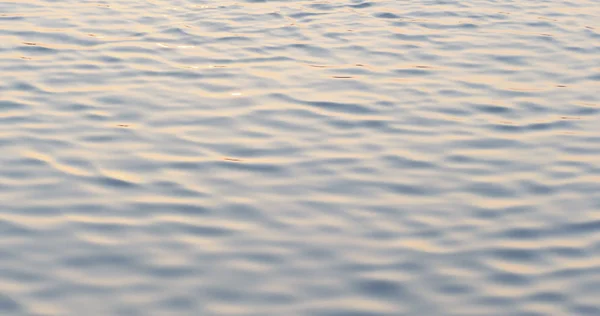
(299, 157)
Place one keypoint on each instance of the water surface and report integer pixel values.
(299, 157)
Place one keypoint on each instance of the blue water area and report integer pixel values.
(299, 157)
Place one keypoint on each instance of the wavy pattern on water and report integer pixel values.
(299, 157)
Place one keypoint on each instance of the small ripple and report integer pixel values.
(328, 106)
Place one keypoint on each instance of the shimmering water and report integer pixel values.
(299, 157)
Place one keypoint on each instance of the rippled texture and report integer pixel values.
(299, 157)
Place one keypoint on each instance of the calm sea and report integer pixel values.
(299, 157)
